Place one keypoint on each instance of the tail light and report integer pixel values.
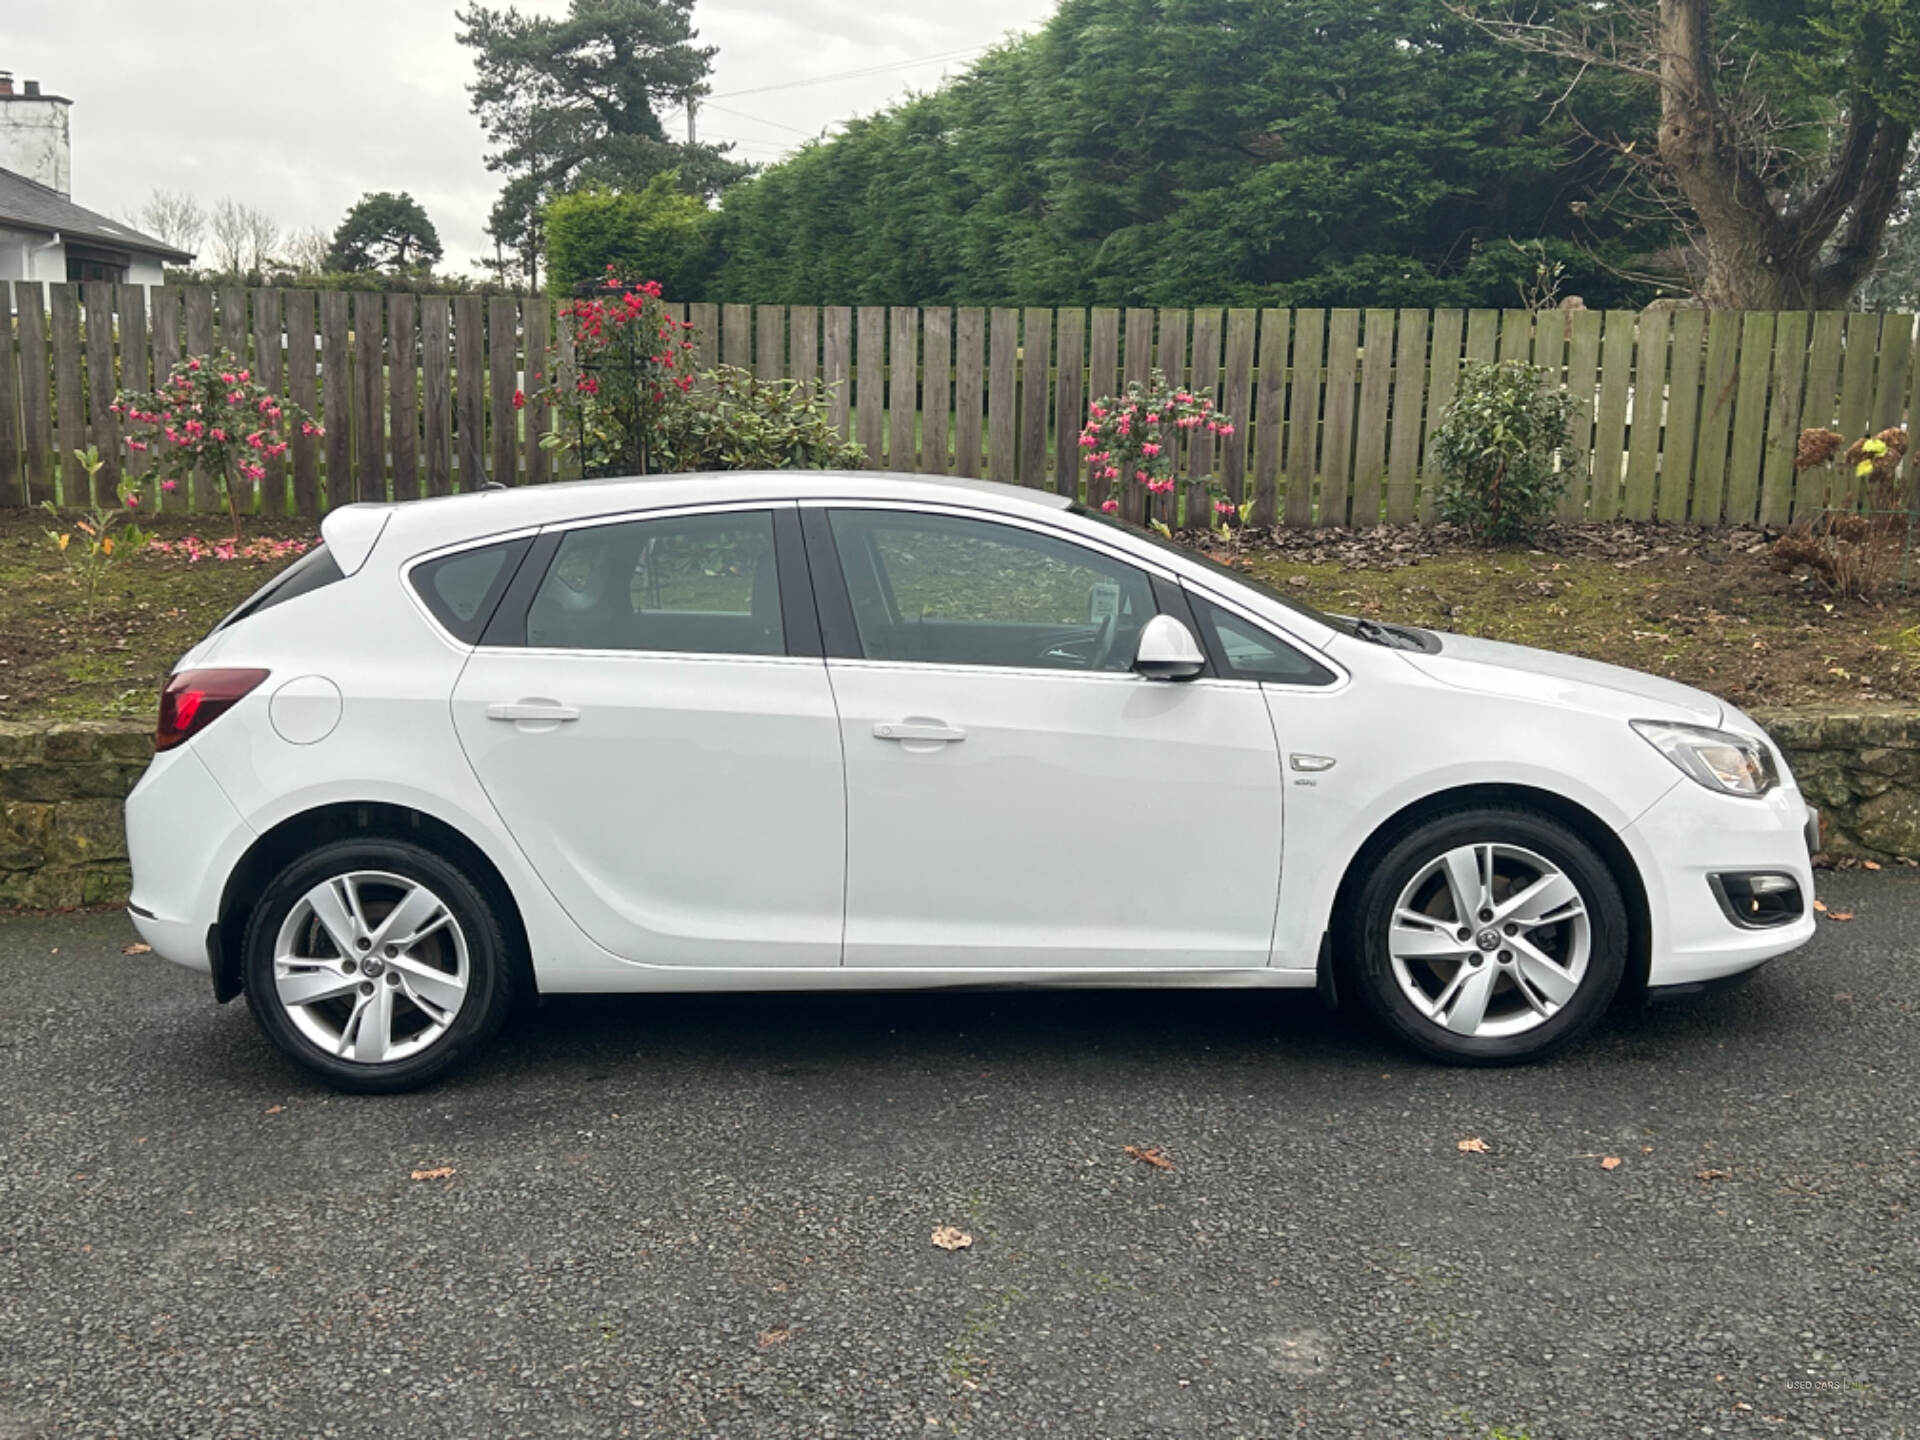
(194, 699)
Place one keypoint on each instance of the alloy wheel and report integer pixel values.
(371, 967)
(1489, 940)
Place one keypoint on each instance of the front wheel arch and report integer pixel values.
(1582, 821)
(298, 834)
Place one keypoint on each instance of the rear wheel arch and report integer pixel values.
(1576, 817)
(298, 834)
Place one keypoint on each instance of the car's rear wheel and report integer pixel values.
(1489, 937)
(377, 964)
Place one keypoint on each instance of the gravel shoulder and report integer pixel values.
(696, 1215)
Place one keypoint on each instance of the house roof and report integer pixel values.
(28, 205)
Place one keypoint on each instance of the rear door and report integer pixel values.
(651, 716)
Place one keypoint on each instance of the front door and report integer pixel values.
(1016, 795)
(671, 770)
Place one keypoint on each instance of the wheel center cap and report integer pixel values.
(371, 966)
(1488, 939)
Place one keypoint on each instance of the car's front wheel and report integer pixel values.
(1489, 936)
(377, 964)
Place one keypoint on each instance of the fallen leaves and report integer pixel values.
(1150, 1155)
(276, 1109)
(952, 1237)
(774, 1337)
(1709, 1176)
(1610, 1162)
(136, 949)
(439, 1172)
(1472, 1145)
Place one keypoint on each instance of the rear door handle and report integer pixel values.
(917, 730)
(533, 710)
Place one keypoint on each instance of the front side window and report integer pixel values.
(696, 584)
(1244, 578)
(1243, 651)
(943, 589)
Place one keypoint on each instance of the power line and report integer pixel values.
(853, 74)
(761, 148)
(757, 119)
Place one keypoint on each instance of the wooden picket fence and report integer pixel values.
(1683, 415)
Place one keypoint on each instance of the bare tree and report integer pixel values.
(305, 251)
(1776, 230)
(263, 235)
(243, 237)
(173, 216)
(229, 236)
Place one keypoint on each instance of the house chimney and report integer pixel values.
(34, 137)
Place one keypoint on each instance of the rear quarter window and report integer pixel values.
(462, 590)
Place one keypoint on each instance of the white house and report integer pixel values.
(43, 234)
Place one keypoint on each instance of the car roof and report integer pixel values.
(416, 527)
(449, 519)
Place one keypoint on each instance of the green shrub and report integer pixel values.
(654, 232)
(732, 421)
(1495, 447)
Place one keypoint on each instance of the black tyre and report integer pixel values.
(378, 965)
(1490, 936)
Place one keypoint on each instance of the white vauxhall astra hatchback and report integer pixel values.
(810, 731)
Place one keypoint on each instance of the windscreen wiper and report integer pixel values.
(1383, 635)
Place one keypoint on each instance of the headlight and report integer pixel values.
(1718, 759)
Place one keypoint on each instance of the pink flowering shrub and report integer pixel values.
(211, 414)
(635, 361)
(1134, 439)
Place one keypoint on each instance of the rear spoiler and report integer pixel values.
(351, 533)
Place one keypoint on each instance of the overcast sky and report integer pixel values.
(299, 108)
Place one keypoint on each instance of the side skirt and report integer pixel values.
(664, 978)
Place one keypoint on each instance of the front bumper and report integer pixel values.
(1692, 834)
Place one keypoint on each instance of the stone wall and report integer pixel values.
(61, 786)
(1862, 768)
(62, 842)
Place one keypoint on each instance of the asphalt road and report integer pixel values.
(692, 1215)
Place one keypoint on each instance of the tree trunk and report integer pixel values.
(1758, 255)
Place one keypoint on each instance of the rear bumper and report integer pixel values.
(1689, 836)
(183, 838)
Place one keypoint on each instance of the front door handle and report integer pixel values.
(917, 730)
(533, 710)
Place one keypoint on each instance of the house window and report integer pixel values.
(95, 265)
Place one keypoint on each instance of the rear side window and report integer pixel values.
(313, 571)
(1243, 651)
(462, 589)
(687, 584)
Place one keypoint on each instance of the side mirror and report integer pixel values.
(1168, 651)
